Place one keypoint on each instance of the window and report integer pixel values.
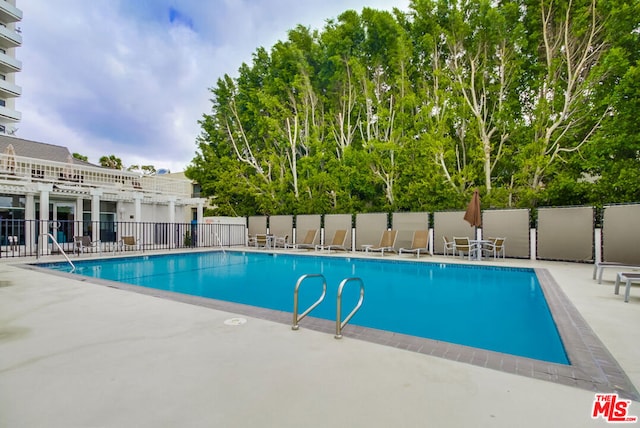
(3, 103)
(3, 130)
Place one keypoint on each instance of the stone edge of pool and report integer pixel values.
(592, 367)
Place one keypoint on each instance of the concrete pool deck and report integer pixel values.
(77, 354)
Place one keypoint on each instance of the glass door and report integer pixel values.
(62, 216)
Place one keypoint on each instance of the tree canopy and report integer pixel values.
(80, 157)
(532, 102)
(111, 161)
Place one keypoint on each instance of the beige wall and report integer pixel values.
(565, 233)
(333, 222)
(369, 229)
(406, 224)
(257, 224)
(512, 225)
(305, 223)
(621, 234)
(449, 224)
(282, 226)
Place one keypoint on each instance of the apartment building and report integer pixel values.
(10, 40)
(43, 184)
(45, 190)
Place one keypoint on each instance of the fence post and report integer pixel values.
(533, 244)
(597, 239)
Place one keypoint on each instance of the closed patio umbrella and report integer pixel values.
(473, 214)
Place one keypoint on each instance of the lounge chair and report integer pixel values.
(308, 243)
(84, 244)
(628, 277)
(337, 243)
(462, 245)
(599, 267)
(495, 247)
(387, 242)
(420, 243)
(130, 243)
(448, 246)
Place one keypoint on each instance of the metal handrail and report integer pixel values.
(73, 267)
(296, 318)
(220, 243)
(339, 324)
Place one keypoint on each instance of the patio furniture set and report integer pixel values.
(475, 249)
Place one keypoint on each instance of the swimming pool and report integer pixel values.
(497, 309)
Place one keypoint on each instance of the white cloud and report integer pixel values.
(131, 78)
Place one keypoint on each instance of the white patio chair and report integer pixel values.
(462, 246)
(84, 244)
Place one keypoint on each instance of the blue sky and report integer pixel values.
(132, 77)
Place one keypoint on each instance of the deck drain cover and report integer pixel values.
(235, 321)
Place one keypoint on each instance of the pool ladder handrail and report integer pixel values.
(220, 243)
(50, 236)
(296, 318)
(339, 322)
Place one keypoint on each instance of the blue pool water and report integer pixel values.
(498, 309)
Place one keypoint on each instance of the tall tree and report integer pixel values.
(559, 103)
(530, 100)
(483, 60)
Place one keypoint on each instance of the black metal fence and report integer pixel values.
(21, 238)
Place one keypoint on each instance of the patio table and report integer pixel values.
(478, 244)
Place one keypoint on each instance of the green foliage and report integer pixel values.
(187, 241)
(534, 103)
(111, 161)
(80, 157)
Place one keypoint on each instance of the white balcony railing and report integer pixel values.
(9, 13)
(9, 90)
(10, 114)
(9, 38)
(9, 64)
(19, 168)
